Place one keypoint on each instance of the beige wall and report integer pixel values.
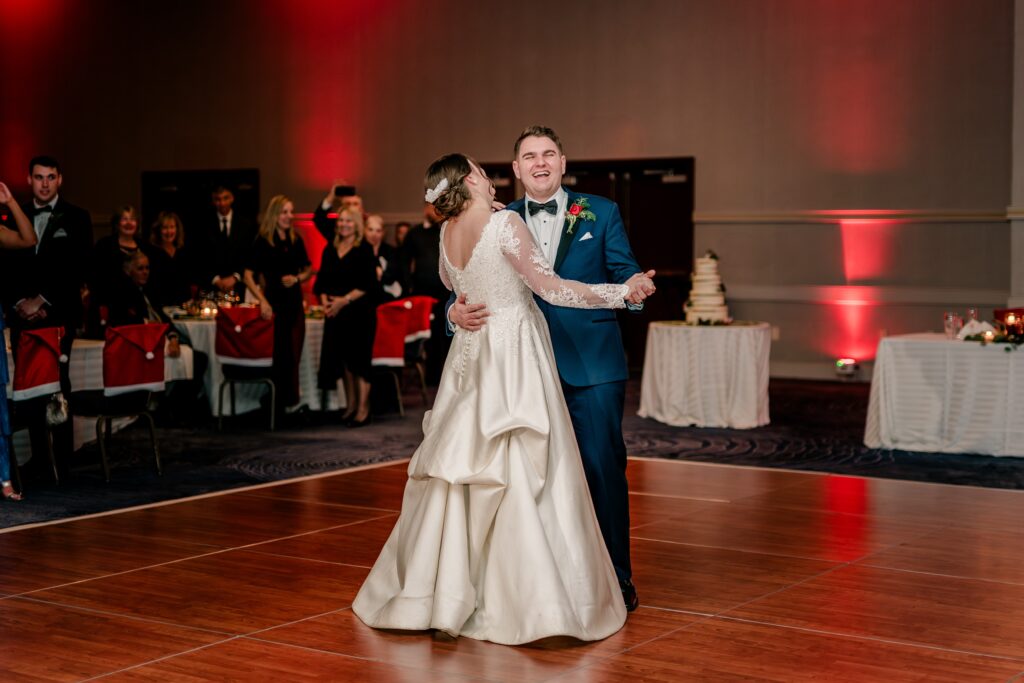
(791, 107)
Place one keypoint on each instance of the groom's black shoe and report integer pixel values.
(629, 595)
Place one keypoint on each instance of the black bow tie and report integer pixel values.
(45, 208)
(550, 206)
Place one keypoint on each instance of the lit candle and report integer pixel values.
(1011, 319)
(989, 335)
(207, 312)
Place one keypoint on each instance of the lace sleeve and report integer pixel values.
(540, 277)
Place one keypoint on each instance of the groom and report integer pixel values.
(584, 239)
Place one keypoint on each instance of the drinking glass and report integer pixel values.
(949, 324)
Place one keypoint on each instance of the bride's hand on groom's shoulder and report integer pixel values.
(468, 316)
(496, 205)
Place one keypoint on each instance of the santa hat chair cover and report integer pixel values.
(133, 358)
(244, 338)
(389, 341)
(37, 361)
(420, 314)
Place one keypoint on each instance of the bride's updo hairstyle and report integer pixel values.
(444, 187)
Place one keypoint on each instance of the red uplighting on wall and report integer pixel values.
(868, 248)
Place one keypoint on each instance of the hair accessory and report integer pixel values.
(432, 195)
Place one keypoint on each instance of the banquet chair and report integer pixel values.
(244, 345)
(37, 360)
(133, 370)
(417, 333)
(389, 344)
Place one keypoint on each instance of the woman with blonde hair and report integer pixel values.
(349, 291)
(277, 267)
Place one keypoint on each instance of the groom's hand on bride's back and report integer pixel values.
(467, 316)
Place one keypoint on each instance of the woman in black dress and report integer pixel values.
(108, 258)
(349, 291)
(277, 266)
(173, 273)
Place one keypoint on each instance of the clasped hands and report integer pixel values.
(334, 305)
(641, 286)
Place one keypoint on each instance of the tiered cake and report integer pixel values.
(707, 293)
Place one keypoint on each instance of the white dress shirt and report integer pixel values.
(547, 229)
(221, 222)
(41, 220)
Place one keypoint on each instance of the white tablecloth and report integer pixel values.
(86, 374)
(937, 395)
(708, 376)
(202, 333)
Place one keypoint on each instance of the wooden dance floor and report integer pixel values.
(742, 573)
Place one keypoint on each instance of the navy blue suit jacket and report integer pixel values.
(587, 343)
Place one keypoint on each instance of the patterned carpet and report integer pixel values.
(815, 426)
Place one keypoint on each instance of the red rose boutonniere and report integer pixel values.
(580, 210)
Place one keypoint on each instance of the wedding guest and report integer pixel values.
(401, 230)
(23, 237)
(277, 265)
(321, 215)
(109, 254)
(173, 265)
(224, 241)
(387, 258)
(349, 290)
(45, 282)
(419, 259)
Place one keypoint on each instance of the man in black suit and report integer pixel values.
(227, 239)
(47, 281)
(418, 261)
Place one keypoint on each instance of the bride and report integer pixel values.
(497, 539)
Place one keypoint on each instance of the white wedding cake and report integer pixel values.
(707, 293)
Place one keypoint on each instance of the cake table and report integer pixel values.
(706, 375)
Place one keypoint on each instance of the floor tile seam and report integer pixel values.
(873, 517)
(127, 615)
(808, 473)
(891, 546)
(159, 659)
(871, 638)
(338, 610)
(203, 555)
(200, 496)
(126, 571)
(1016, 679)
(372, 660)
(861, 563)
(311, 559)
(313, 531)
(625, 651)
(320, 502)
(782, 589)
(738, 550)
(700, 499)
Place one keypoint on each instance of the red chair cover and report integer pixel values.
(37, 363)
(420, 314)
(244, 338)
(133, 358)
(389, 341)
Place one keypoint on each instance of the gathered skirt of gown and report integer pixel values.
(497, 538)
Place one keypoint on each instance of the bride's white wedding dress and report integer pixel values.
(497, 538)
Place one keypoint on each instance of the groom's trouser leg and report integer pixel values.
(596, 414)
